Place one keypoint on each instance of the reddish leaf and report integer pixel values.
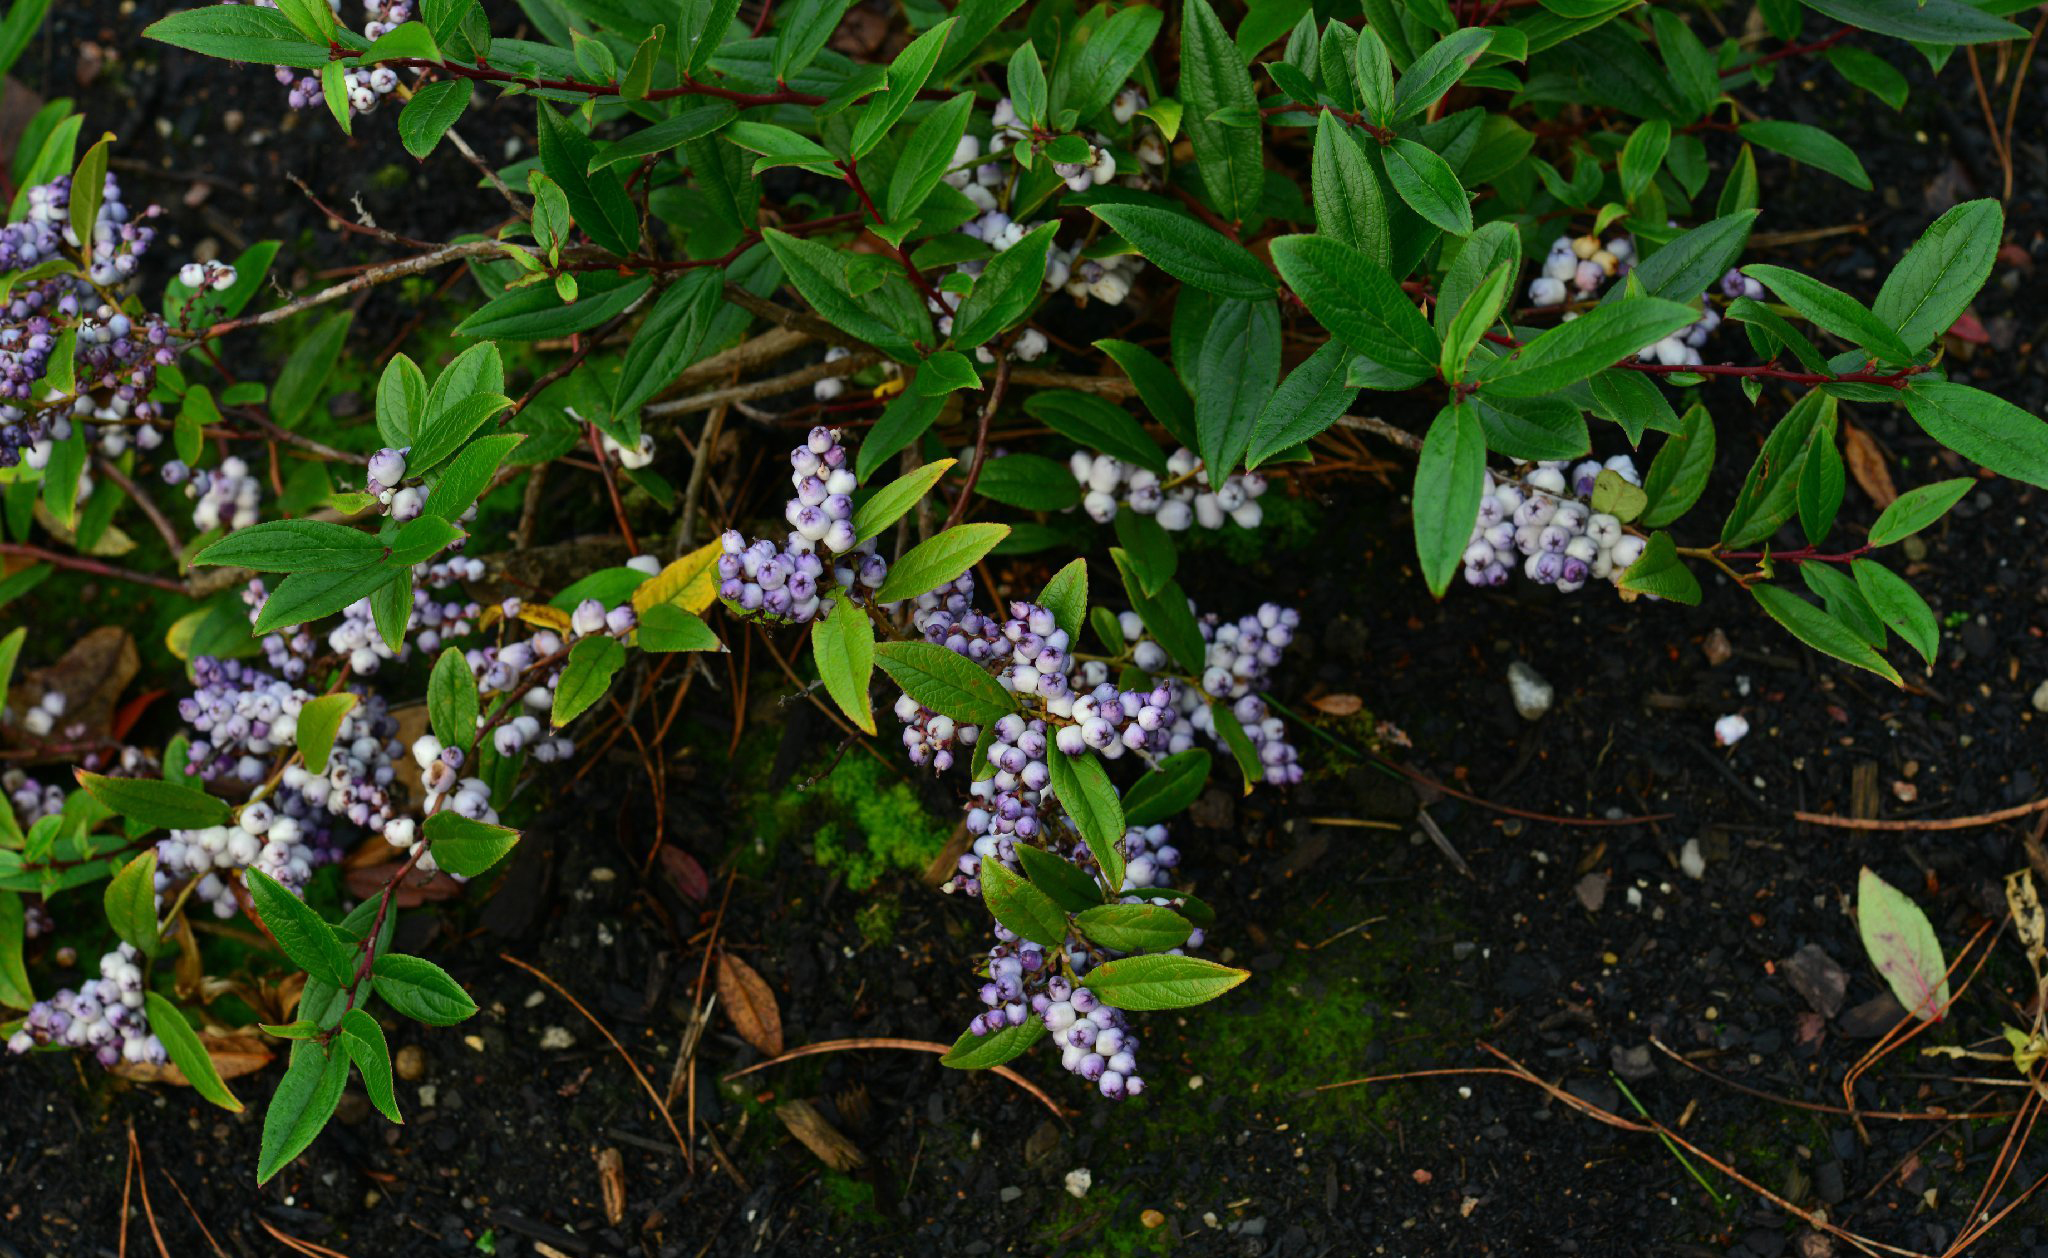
(1971, 329)
(685, 876)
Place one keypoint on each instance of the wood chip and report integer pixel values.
(1866, 463)
(611, 1178)
(820, 1137)
(750, 1003)
(1339, 705)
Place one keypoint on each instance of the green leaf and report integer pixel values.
(946, 371)
(1030, 481)
(1098, 424)
(1844, 601)
(1450, 479)
(779, 146)
(1228, 162)
(1832, 310)
(908, 71)
(1162, 982)
(293, 546)
(464, 846)
(980, 1052)
(670, 338)
(1350, 205)
(1158, 388)
(1574, 351)
(364, 1041)
(1150, 549)
(320, 721)
(1066, 596)
(843, 644)
(1902, 945)
(903, 421)
(1642, 156)
(1898, 604)
(1629, 399)
(1692, 261)
(948, 684)
(1474, 317)
(444, 431)
(464, 478)
(307, 939)
(130, 901)
(186, 1051)
(932, 563)
(401, 400)
(1613, 495)
(1692, 67)
(1661, 572)
(452, 701)
(1235, 375)
(1008, 286)
(1928, 21)
(1374, 68)
(1085, 794)
(1027, 84)
(895, 498)
(299, 1109)
(417, 541)
(1314, 396)
(15, 991)
(1983, 428)
(542, 311)
(1063, 882)
(1870, 72)
(235, 32)
(1188, 250)
(1022, 907)
(694, 123)
(1916, 509)
(1429, 186)
(819, 274)
(1134, 927)
(305, 596)
(88, 186)
(1821, 631)
(1177, 781)
(1166, 617)
(17, 29)
(1360, 302)
(927, 154)
(1433, 73)
(1934, 283)
(1768, 496)
(1679, 473)
(420, 990)
(598, 201)
(306, 371)
(1086, 81)
(593, 662)
(155, 803)
(431, 111)
(1822, 480)
(666, 627)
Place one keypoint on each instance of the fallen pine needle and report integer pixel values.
(915, 1046)
(1948, 823)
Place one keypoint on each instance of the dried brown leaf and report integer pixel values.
(1339, 705)
(234, 1053)
(820, 1137)
(684, 875)
(750, 1003)
(366, 882)
(1867, 465)
(90, 676)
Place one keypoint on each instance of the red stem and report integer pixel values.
(917, 278)
(1805, 554)
(485, 74)
(1767, 371)
(80, 564)
(1792, 50)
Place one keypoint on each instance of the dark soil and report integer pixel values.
(1568, 948)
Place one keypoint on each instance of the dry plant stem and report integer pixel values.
(311, 1249)
(988, 410)
(613, 1040)
(367, 279)
(157, 519)
(198, 1222)
(611, 486)
(1947, 823)
(1895, 1116)
(489, 173)
(1912, 1025)
(1381, 428)
(693, 493)
(763, 388)
(79, 563)
(142, 1182)
(916, 1046)
(756, 351)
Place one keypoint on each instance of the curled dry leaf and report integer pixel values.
(234, 1053)
(90, 676)
(611, 1178)
(1867, 465)
(366, 882)
(1339, 705)
(820, 1137)
(750, 1003)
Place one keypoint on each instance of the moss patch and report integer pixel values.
(862, 821)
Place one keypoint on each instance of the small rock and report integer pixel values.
(556, 1038)
(1730, 730)
(2041, 697)
(1716, 648)
(1692, 860)
(1594, 1092)
(1533, 695)
(1010, 1193)
(1633, 1064)
(1872, 1018)
(429, 1095)
(1152, 1218)
(1592, 891)
(1079, 1181)
(1818, 978)
(411, 1063)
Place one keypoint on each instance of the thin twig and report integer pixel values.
(917, 1046)
(988, 411)
(1947, 823)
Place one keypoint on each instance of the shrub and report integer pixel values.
(1182, 251)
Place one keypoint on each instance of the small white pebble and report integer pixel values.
(556, 1038)
(1079, 1182)
(1691, 860)
(1730, 730)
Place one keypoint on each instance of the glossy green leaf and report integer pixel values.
(946, 683)
(1450, 479)
(187, 1052)
(320, 721)
(1916, 509)
(937, 560)
(1162, 981)
(843, 645)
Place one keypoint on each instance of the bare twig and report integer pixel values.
(916, 1046)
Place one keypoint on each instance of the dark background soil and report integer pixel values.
(1371, 953)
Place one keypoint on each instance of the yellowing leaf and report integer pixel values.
(690, 583)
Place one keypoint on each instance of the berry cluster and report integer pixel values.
(1095, 1039)
(116, 356)
(1178, 503)
(41, 719)
(103, 1014)
(365, 87)
(226, 497)
(1578, 267)
(1545, 520)
(787, 581)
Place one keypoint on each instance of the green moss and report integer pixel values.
(876, 921)
(863, 822)
(851, 1199)
(1290, 523)
(1102, 1225)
